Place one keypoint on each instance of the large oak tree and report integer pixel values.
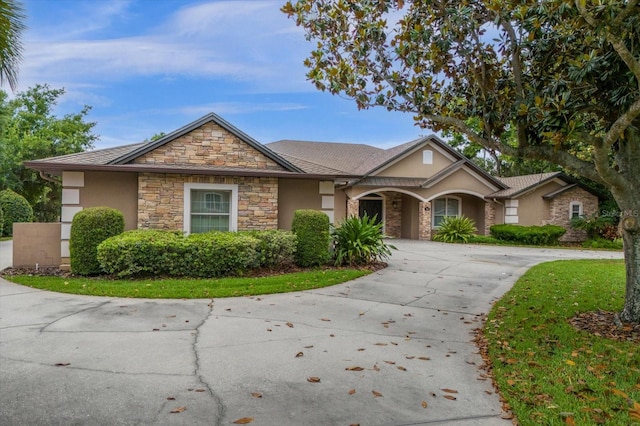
(564, 75)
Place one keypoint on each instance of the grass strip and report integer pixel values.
(551, 373)
(180, 288)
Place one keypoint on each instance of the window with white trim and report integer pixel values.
(210, 207)
(575, 209)
(445, 207)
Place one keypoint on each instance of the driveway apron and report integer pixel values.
(391, 348)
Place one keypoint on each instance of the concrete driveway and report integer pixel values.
(392, 348)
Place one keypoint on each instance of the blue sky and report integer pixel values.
(150, 66)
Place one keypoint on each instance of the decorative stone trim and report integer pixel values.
(490, 209)
(353, 208)
(393, 215)
(424, 220)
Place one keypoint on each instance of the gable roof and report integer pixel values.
(518, 185)
(211, 117)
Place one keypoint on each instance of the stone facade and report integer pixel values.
(489, 216)
(560, 211)
(353, 208)
(424, 220)
(393, 215)
(209, 145)
(161, 200)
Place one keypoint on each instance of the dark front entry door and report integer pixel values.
(371, 208)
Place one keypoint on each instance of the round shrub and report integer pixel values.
(360, 240)
(15, 208)
(276, 248)
(311, 228)
(89, 228)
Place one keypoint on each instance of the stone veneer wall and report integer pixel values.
(393, 216)
(560, 209)
(424, 220)
(209, 145)
(353, 208)
(489, 216)
(161, 200)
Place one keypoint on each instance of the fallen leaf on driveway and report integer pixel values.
(381, 344)
(390, 362)
(62, 364)
(325, 319)
(352, 391)
(299, 354)
(424, 404)
(178, 410)
(256, 395)
(171, 398)
(376, 394)
(354, 368)
(424, 358)
(452, 398)
(290, 325)
(449, 390)
(199, 390)
(243, 421)
(313, 379)
(401, 368)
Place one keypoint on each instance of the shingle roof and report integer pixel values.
(99, 156)
(519, 184)
(391, 181)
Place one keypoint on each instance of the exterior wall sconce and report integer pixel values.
(427, 208)
(394, 204)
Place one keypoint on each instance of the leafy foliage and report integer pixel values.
(563, 75)
(597, 226)
(455, 229)
(169, 253)
(276, 248)
(14, 209)
(360, 240)
(536, 235)
(89, 228)
(12, 25)
(311, 228)
(29, 131)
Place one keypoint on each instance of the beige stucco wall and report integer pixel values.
(473, 208)
(36, 243)
(118, 190)
(409, 218)
(412, 165)
(209, 145)
(161, 200)
(297, 194)
(532, 208)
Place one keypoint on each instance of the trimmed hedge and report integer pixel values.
(1, 220)
(89, 228)
(15, 208)
(168, 253)
(311, 228)
(276, 248)
(546, 235)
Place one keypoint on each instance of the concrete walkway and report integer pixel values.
(381, 347)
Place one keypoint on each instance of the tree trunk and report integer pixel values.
(631, 237)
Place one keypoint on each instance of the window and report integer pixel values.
(444, 207)
(427, 157)
(210, 207)
(575, 209)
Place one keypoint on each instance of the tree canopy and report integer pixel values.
(11, 26)
(564, 76)
(29, 130)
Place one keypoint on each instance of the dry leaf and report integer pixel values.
(171, 316)
(178, 410)
(243, 421)
(171, 398)
(62, 364)
(376, 368)
(352, 391)
(299, 354)
(424, 358)
(409, 357)
(452, 398)
(313, 379)
(256, 394)
(511, 382)
(290, 325)
(199, 390)
(308, 347)
(325, 319)
(635, 411)
(569, 421)
(376, 394)
(381, 344)
(360, 349)
(569, 362)
(390, 362)
(449, 390)
(401, 368)
(354, 368)
(424, 404)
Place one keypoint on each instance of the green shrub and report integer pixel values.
(533, 235)
(455, 230)
(15, 208)
(603, 243)
(311, 228)
(597, 227)
(1, 220)
(89, 228)
(169, 253)
(276, 248)
(359, 241)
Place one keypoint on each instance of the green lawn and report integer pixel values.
(549, 372)
(176, 288)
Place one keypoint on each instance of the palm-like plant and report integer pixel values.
(11, 26)
(360, 240)
(455, 229)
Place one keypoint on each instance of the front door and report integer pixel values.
(372, 207)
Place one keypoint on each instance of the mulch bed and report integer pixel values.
(606, 324)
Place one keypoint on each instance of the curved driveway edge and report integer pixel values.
(373, 351)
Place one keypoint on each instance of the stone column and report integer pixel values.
(393, 215)
(424, 220)
(353, 208)
(489, 215)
